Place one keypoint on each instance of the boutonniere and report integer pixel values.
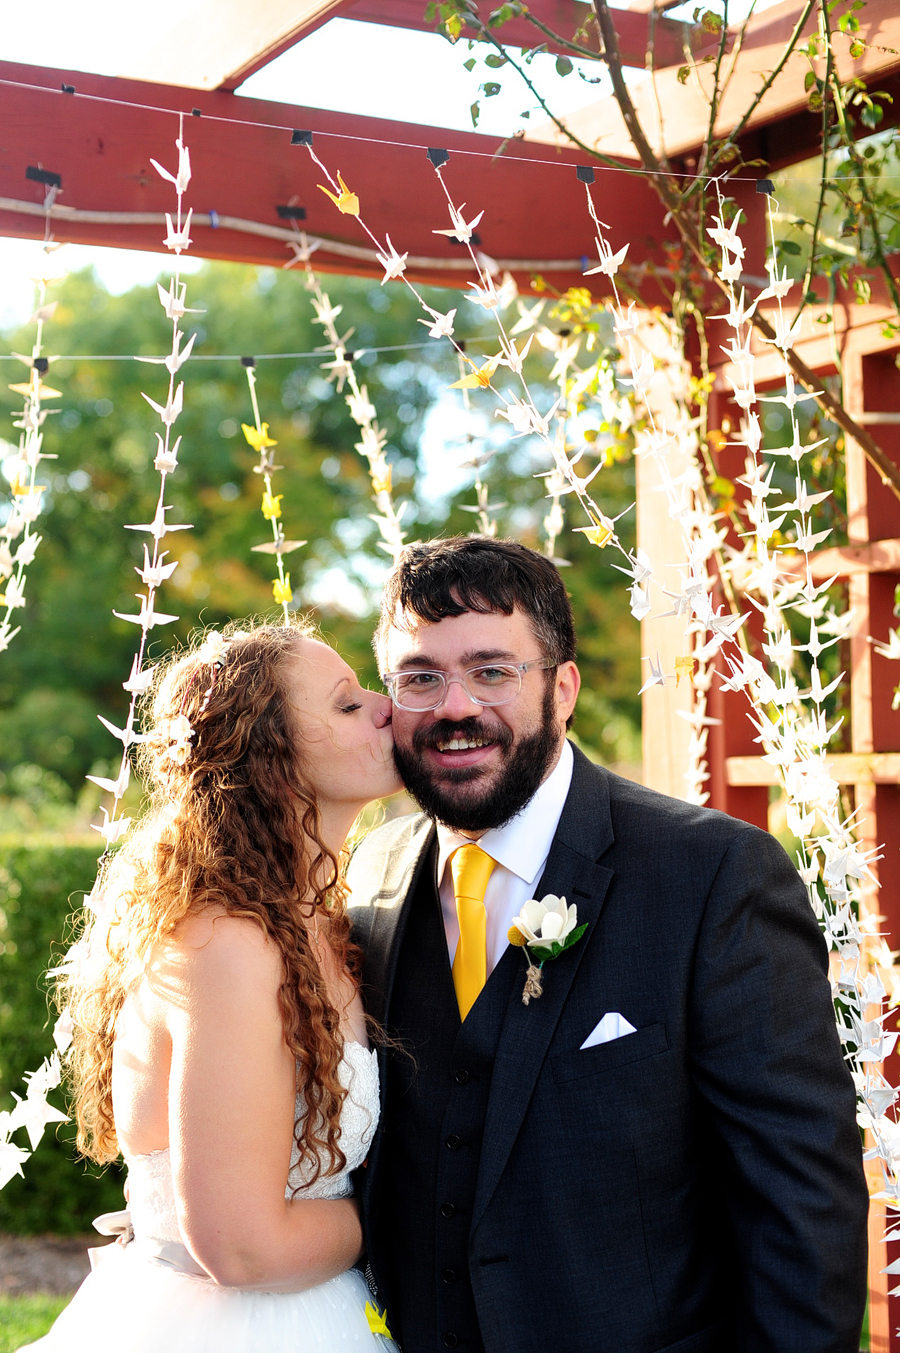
(545, 930)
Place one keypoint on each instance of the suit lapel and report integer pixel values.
(584, 833)
(380, 926)
(388, 911)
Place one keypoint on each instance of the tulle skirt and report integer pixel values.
(130, 1304)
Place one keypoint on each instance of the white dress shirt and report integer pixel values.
(520, 848)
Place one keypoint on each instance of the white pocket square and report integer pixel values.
(611, 1026)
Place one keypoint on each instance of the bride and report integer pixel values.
(220, 1040)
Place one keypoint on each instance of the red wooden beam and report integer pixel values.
(101, 138)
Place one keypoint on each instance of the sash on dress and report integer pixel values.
(168, 1253)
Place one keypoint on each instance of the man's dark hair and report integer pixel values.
(439, 578)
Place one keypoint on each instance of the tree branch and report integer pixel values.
(887, 470)
(825, 34)
(767, 84)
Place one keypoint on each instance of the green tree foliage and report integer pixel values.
(71, 657)
(40, 885)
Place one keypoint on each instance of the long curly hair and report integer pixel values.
(232, 824)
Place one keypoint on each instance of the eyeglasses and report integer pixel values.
(493, 683)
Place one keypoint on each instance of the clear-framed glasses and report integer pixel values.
(491, 683)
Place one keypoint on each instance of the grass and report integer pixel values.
(23, 1319)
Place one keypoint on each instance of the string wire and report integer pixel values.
(637, 171)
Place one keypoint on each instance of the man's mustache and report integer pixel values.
(446, 729)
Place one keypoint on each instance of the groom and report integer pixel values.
(659, 1153)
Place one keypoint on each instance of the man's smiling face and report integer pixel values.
(473, 766)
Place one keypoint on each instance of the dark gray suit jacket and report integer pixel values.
(696, 1185)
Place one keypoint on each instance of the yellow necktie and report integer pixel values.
(471, 868)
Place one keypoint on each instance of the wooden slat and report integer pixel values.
(849, 768)
(219, 43)
(212, 42)
(845, 561)
(564, 17)
(675, 116)
(534, 205)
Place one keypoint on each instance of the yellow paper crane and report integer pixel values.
(271, 505)
(382, 481)
(282, 590)
(348, 202)
(597, 535)
(258, 439)
(685, 667)
(480, 377)
(377, 1320)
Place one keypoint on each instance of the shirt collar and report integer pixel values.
(522, 844)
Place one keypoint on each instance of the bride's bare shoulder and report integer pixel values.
(212, 948)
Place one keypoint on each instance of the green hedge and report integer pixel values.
(42, 882)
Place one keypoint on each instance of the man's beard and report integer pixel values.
(522, 771)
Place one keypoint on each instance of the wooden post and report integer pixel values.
(872, 384)
(871, 563)
(734, 734)
(664, 734)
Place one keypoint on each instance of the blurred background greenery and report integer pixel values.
(68, 663)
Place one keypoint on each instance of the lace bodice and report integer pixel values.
(151, 1193)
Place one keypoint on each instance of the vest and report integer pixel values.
(436, 1099)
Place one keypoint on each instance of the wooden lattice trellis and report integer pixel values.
(740, 780)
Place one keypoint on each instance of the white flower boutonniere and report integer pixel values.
(545, 930)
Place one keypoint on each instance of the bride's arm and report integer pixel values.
(231, 1117)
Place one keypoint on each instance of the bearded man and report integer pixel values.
(657, 1152)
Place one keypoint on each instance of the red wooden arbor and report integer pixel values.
(870, 563)
(98, 134)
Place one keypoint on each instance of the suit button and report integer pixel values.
(461, 1076)
(449, 1275)
(448, 1210)
(450, 1340)
(453, 1143)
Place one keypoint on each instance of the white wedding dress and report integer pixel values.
(140, 1299)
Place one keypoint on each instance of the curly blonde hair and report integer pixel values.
(232, 824)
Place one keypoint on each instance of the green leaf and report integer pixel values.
(857, 48)
(470, 64)
(564, 66)
(683, 73)
(491, 89)
(475, 112)
(790, 247)
(574, 937)
(495, 61)
(546, 952)
(809, 80)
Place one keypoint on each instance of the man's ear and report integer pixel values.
(568, 684)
